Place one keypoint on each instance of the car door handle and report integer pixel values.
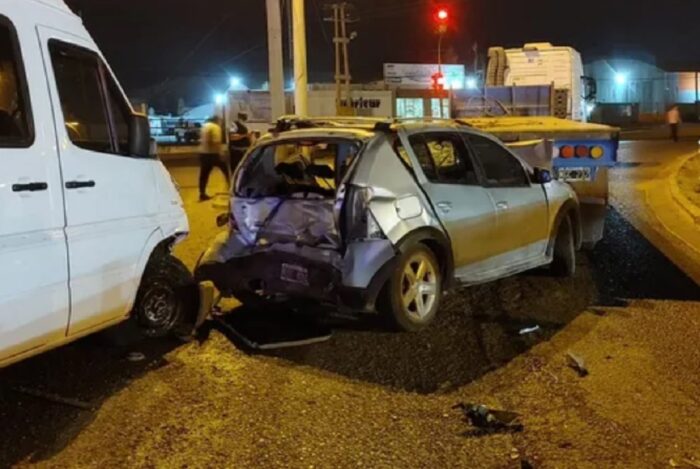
(79, 184)
(30, 187)
(502, 205)
(445, 207)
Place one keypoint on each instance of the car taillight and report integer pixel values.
(359, 221)
(582, 151)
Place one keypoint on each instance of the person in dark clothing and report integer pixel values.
(239, 141)
(210, 155)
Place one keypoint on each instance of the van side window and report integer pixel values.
(15, 130)
(95, 113)
(120, 115)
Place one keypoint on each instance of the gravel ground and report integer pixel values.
(367, 398)
(689, 180)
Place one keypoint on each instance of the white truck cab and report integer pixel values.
(87, 215)
(543, 64)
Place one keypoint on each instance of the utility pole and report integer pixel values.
(276, 59)
(301, 80)
(341, 18)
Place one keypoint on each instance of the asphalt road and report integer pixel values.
(375, 399)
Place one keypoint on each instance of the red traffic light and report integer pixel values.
(441, 18)
(438, 81)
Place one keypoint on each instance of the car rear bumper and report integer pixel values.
(351, 283)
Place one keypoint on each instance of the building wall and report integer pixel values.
(644, 84)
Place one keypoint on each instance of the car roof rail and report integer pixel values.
(377, 124)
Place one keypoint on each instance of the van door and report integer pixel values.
(110, 197)
(33, 261)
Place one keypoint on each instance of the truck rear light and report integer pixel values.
(582, 151)
(597, 152)
(567, 152)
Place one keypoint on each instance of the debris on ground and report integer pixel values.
(685, 462)
(56, 399)
(514, 453)
(578, 364)
(529, 330)
(488, 420)
(135, 357)
(258, 330)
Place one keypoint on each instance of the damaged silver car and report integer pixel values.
(384, 217)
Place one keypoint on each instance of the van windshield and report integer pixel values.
(303, 168)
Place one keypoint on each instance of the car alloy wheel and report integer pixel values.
(419, 285)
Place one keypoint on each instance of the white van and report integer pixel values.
(87, 215)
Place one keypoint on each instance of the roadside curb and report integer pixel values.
(689, 207)
(670, 215)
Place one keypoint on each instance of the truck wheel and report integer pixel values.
(411, 298)
(564, 262)
(167, 299)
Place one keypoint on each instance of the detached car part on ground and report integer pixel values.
(384, 218)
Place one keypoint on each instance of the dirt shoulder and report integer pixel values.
(689, 180)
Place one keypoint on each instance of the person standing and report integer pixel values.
(673, 117)
(210, 155)
(239, 140)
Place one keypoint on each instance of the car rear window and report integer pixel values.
(301, 168)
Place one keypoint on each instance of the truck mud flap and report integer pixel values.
(255, 330)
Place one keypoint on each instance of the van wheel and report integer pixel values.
(168, 298)
(564, 262)
(412, 296)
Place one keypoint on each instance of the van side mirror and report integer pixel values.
(543, 176)
(139, 136)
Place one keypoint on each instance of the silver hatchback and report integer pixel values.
(383, 217)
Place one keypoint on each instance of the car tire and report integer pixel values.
(564, 255)
(411, 297)
(168, 298)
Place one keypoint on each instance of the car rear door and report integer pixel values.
(34, 303)
(521, 206)
(110, 197)
(465, 208)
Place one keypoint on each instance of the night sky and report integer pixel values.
(164, 48)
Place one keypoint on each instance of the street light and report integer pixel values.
(219, 99)
(235, 83)
(472, 83)
(620, 79)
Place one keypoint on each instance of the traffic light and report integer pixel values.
(442, 18)
(438, 81)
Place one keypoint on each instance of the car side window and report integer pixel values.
(94, 111)
(500, 167)
(444, 158)
(15, 128)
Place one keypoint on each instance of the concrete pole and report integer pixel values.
(275, 51)
(301, 80)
